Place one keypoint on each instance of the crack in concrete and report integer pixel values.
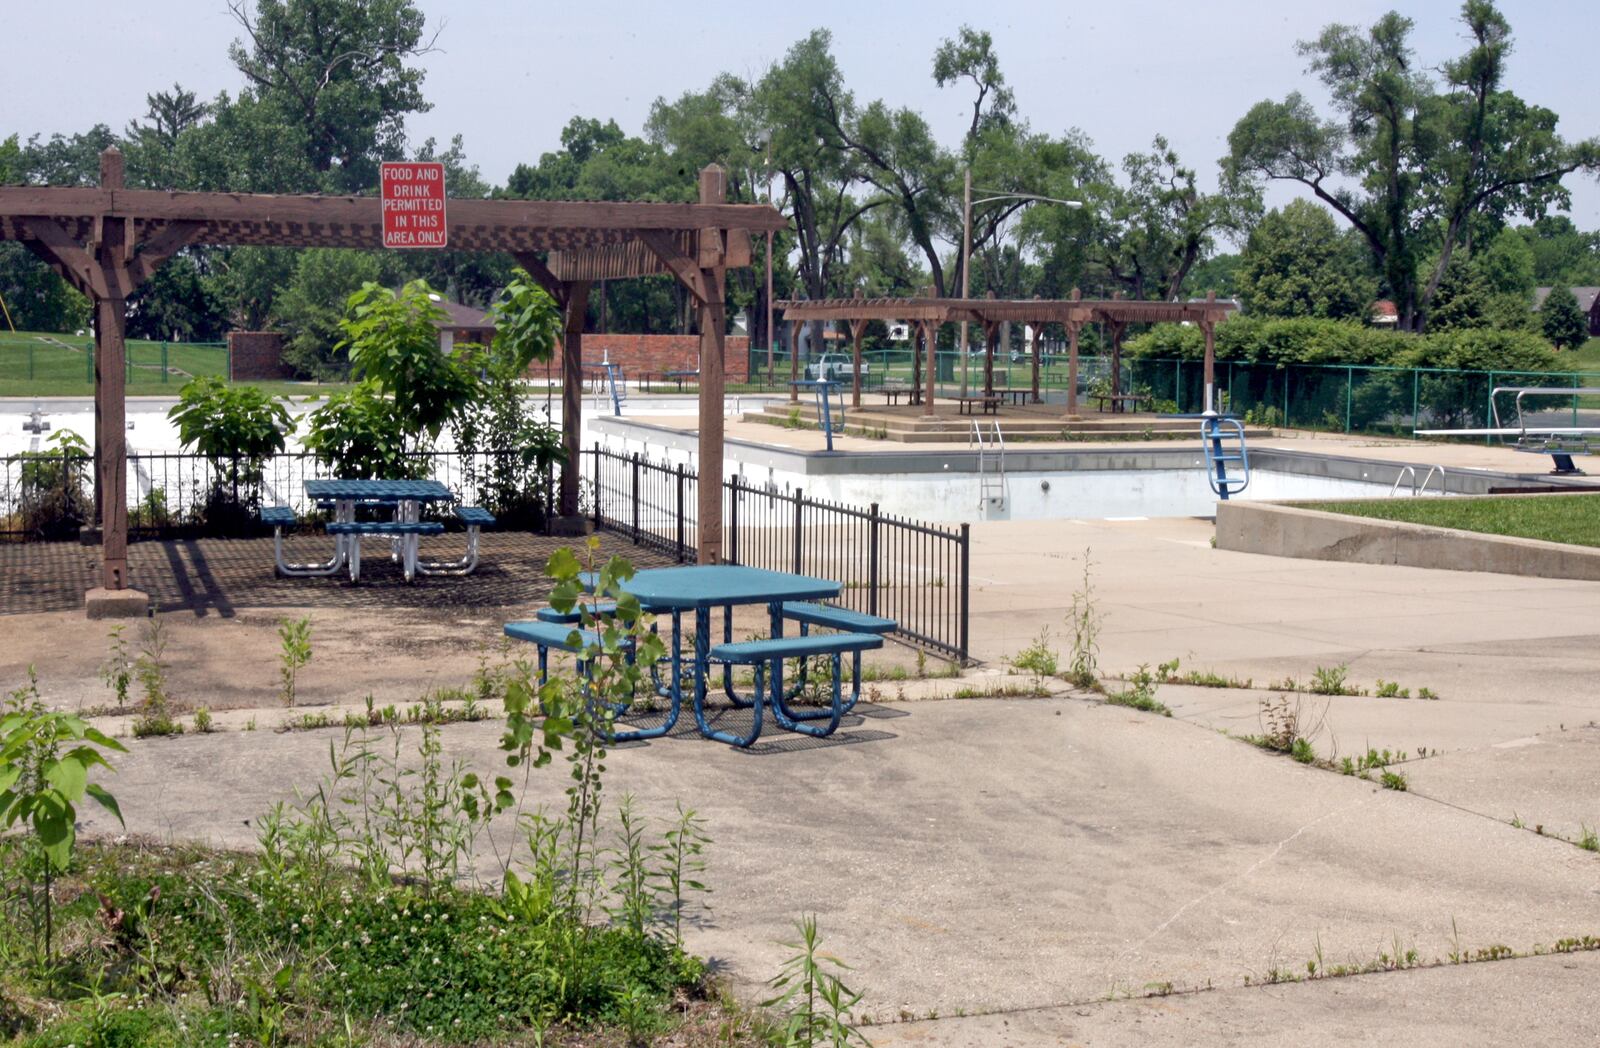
(1236, 878)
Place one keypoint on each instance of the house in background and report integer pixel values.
(1384, 314)
(1588, 304)
(464, 324)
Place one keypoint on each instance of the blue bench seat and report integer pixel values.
(754, 652)
(830, 617)
(475, 516)
(767, 657)
(278, 516)
(385, 527)
(600, 608)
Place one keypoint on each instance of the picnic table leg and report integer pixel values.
(676, 694)
(702, 669)
(790, 720)
(727, 670)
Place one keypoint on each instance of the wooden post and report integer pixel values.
(110, 387)
(1116, 363)
(713, 318)
(794, 362)
(1073, 324)
(1033, 353)
(930, 347)
(991, 343)
(914, 331)
(575, 306)
(857, 329)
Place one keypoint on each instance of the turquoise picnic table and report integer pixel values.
(699, 589)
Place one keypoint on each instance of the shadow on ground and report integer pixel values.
(217, 576)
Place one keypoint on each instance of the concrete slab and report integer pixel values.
(986, 855)
(102, 603)
(1349, 724)
(1549, 779)
(1535, 1000)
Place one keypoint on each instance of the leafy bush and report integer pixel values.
(54, 499)
(516, 442)
(236, 428)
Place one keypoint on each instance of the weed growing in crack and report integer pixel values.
(1083, 625)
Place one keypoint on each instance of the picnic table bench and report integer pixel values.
(697, 590)
(406, 498)
(893, 391)
(989, 403)
(1115, 399)
(678, 376)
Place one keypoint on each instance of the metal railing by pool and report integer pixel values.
(913, 572)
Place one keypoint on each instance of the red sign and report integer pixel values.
(413, 205)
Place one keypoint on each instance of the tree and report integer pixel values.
(1463, 298)
(1562, 254)
(1296, 264)
(38, 299)
(1155, 229)
(175, 303)
(1427, 167)
(970, 56)
(312, 307)
(335, 70)
(1562, 322)
(152, 145)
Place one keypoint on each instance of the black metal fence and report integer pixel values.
(913, 572)
(48, 496)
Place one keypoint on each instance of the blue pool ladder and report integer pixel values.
(1223, 441)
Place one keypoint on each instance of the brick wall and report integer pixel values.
(256, 356)
(639, 354)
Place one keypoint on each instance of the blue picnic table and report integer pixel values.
(700, 589)
(405, 496)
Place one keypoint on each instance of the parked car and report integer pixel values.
(835, 367)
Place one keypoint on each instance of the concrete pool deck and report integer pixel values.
(1028, 859)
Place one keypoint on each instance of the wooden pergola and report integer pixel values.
(106, 241)
(926, 315)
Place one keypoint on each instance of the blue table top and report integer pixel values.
(711, 585)
(379, 490)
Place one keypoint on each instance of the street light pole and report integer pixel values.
(966, 264)
(966, 245)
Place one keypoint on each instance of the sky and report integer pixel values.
(511, 73)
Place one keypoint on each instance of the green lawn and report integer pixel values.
(1573, 519)
(40, 364)
(1585, 358)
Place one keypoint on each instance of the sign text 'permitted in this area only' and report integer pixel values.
(413, 205)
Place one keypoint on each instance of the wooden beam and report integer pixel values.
(542, 276)
(157, 249)
(70, 258)
(162, 205)
(681, 265)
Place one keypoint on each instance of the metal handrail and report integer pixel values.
(1419, 489)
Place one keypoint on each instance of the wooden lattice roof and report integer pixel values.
(590, 240)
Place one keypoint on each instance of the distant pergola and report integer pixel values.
(106, 241)
(926, 315)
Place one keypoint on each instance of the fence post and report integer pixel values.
(596, 483)
(680, 513)
(30, 363)
(163, 363)
(799, 505)
(1286, 395)
(635, 500)
(966, 561)
(872, 560)
(1177, 383)
(730, 487)
(88, 363)
(1349, 395)
(1489, 412)
(1416, 390)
